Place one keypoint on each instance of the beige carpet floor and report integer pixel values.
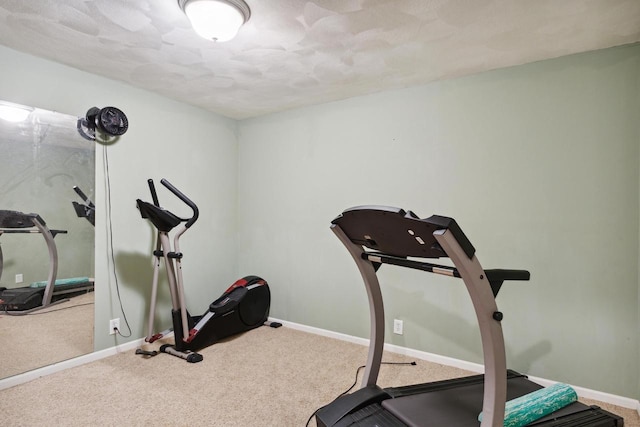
(47, 336)
(265, 377)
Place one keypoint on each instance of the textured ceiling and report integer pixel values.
(294, 53)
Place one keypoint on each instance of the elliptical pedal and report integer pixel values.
(146, 353)
(191, 357)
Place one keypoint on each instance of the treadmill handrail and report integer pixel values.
(495, 276)
(380, 258)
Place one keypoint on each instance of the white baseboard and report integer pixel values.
(66, 364)
(624, 402)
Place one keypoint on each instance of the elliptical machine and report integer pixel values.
(243, 306)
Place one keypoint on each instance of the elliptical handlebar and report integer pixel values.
(154, 195)
(83, 196)
(181, 196)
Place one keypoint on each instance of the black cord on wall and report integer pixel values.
(105, 159)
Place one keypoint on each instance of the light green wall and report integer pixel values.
(196, 150)
(539, 165)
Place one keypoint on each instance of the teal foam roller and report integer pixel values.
(62, 282)
(530, 407)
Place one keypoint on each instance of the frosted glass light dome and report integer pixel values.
(217, 20)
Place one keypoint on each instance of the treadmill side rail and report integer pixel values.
(484, 303)
(376, 307)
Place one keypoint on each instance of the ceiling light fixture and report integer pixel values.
(217, 20)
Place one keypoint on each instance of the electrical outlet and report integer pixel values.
(19, 278)
(397, 326)
(113, 325)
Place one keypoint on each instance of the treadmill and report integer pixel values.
(27, 299)
(376, 235)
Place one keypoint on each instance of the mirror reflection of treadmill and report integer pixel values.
(38, 295)
(377, 235)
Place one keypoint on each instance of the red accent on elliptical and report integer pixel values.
(192, 334)
(155, 337)
(238, 284)
(244, 282)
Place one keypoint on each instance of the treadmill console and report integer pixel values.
(397, 232)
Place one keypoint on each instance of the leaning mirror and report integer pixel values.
(47, 175)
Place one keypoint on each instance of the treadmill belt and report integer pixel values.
(460, 406)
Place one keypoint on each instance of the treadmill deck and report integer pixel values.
(458, 402)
